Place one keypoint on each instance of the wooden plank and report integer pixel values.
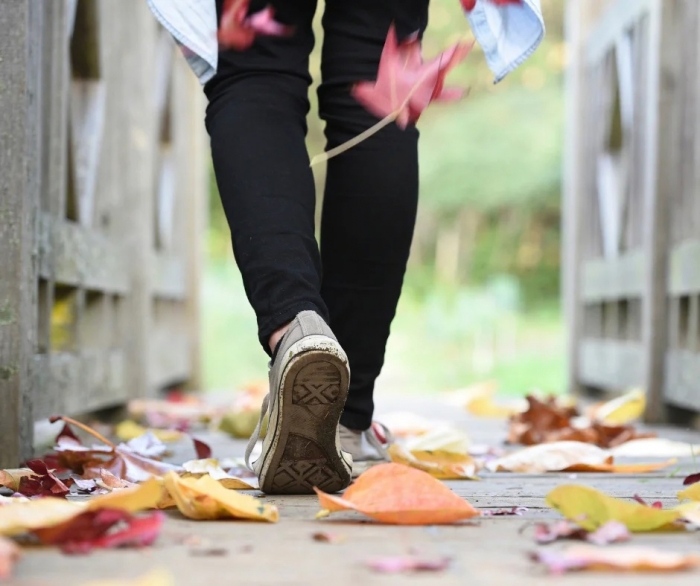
(78, 383)
(661, 178)
(170, 358)
(614, 278)
(684, 269)
(682, 379)
(72, 255)
(612, 365)
(620, 17)
(169, 277)
(20, 23)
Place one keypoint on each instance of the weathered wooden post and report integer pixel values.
(19, 183)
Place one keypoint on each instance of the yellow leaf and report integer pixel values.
(144, 496)
(210, 467)
(157, 577)
(480, 402)
(621, 410)
(10, 478)
(443, 438)
(129, 429)
(204, 498)
(439, 464)
(21, 517)
(591, 508)
(692, 493)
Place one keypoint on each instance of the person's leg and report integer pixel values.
(257, 123)
(371, 193)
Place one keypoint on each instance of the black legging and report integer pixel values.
(257, 122)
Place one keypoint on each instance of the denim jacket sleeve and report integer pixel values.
(508, 34)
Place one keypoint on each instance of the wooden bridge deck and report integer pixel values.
(490, 551)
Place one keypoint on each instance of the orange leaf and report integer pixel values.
(397, 494)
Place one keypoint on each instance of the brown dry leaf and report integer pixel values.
(397, 494)
(640, 559)
(205, 499)
(547, 421)
(440, 464)
(9, 554)
(569, 457)
(11, 478)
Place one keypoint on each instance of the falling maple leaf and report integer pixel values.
(405, 86)
(469, 5)
(588, 557)
(238, 29)
(397, 494)
(9, 554)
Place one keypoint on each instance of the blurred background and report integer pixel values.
(481, 297)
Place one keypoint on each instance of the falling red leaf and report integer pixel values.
(405, 84)
(203, 449)
(120, 461)
(105, 528)
(43, 483)
(692, 479)
(238, 30)
(469, 5)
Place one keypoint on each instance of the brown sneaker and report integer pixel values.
(309, 381)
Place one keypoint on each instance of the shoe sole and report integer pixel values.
(303, 452)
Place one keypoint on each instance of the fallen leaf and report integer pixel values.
(211, 467)
(567, 456)
(404, 424)
(204, 498)
(588, 557)
(400, 564)
(405, 84)
(128, 430)
(9, 555)
(11, 478)
(620, 410)
(42, 483)
(443, 439)
(512, 512)
(121, 461)
(157, 577)
(692, 479)
(109, 480)
(590, 509)
(442, 465)
(325, 537)
(692, 493)
(202, 449)
(103, 529)
(610, 532)
(140, 497)
(238, 30)
(397, 494)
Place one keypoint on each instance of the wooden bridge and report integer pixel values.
(103, 172)
(103, 184)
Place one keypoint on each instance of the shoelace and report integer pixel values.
(256, 432)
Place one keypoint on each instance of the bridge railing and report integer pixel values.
(103, 184)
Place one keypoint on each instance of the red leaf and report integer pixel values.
(469, 5)
(406, 85)
(692, 479)
(44, 483)
(67, 433)
(203, 449)
(106, 528)
(238, 30)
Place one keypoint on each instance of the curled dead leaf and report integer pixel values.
(440, 464)
(397, 494)
(204, 498)
(11, 478)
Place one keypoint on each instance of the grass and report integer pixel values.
(439, 341)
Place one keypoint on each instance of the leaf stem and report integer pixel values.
(85, 428)
(323, 157)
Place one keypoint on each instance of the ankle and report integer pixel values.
(276, 336)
